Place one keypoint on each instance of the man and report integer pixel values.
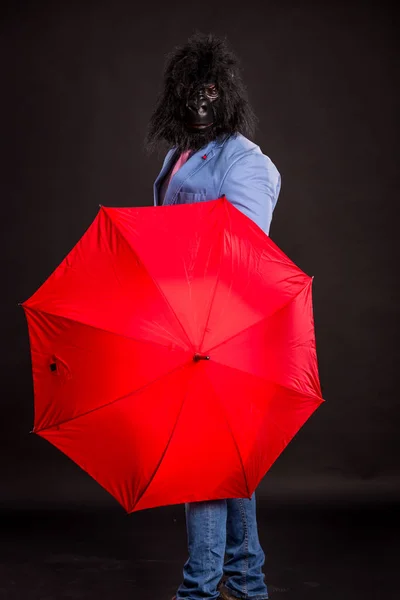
(204, 115)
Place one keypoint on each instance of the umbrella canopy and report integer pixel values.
(173, 353)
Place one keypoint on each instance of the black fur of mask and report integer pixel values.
(190, 73)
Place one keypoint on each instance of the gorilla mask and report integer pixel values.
(203, 96)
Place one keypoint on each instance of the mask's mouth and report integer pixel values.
(199, 126)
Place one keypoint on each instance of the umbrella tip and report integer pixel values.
(198, 357)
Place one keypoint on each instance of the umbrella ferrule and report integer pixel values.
(198, 357)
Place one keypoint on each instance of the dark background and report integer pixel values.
(79, 82)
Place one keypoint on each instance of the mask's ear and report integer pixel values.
(180, 88)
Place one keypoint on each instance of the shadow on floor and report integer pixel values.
(313, 552)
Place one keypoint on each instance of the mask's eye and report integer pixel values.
(211, 91)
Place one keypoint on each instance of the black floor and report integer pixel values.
(313, 552)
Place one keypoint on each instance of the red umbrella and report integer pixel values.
(173, 353)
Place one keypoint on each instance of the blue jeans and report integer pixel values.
(217, 528)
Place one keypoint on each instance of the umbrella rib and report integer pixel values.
(260, 320)
(135, 253)
(214, 291)
(285, 387)
(132, 393)
(165, 449)
(121, 335)
(231, 433)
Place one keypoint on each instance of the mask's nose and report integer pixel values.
(198, 105)
(199, 112)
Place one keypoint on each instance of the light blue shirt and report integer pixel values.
(232, 166)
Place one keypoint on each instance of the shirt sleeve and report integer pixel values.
(252, 184)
